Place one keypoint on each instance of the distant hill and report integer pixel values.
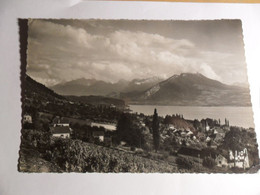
(85, 87)
(97, 100)
(194, 90)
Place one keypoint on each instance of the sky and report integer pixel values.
(111, 50)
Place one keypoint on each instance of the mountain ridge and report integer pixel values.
(189, 89)
(195, 89)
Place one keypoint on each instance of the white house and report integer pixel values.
(61, 131)
(221, 161)
(27, 118)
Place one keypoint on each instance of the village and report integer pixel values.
(100, 134)
(178, 137)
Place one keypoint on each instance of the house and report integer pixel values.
(27, 118)
(208, 139)
(100, 135)
(61, 131)
(171, 127)
(219, 134)
(221, 161)
(239, 159)
(112, 106)
(201, 136)
(61, 122)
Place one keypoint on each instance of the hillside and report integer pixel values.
(33, 88)
(97, 100)
(38, 98)
(78, 156)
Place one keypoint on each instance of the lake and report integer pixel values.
(237, 116)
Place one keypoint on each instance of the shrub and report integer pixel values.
(184, 163)
(164, 156)
(147, 147)
(173, 152)
(209, 162)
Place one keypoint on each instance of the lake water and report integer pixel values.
(237, 116)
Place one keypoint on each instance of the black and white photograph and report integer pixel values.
(137, 96)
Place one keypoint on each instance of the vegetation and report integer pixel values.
(238, 139)
(155, 128)
(77, 156)
(128, 131)
(209, 162)
(184, 163)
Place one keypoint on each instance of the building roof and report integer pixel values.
(219, 157)
(109, 127)
(60, 129)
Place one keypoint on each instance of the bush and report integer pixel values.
(165, 156)
(184, 163)
(147, 147)
(173, 152)
(209, 162)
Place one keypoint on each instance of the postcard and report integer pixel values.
(138, 96)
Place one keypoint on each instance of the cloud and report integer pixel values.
(207, 71)
(58, 53)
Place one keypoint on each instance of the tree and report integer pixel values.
(156, 134)
(123, 128)
(184, 163)
(128, 131)
(209, 162)
(234, 140)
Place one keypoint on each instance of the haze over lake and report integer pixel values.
(237, 116)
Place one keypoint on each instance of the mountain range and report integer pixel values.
(186, 89)
(85, 87)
